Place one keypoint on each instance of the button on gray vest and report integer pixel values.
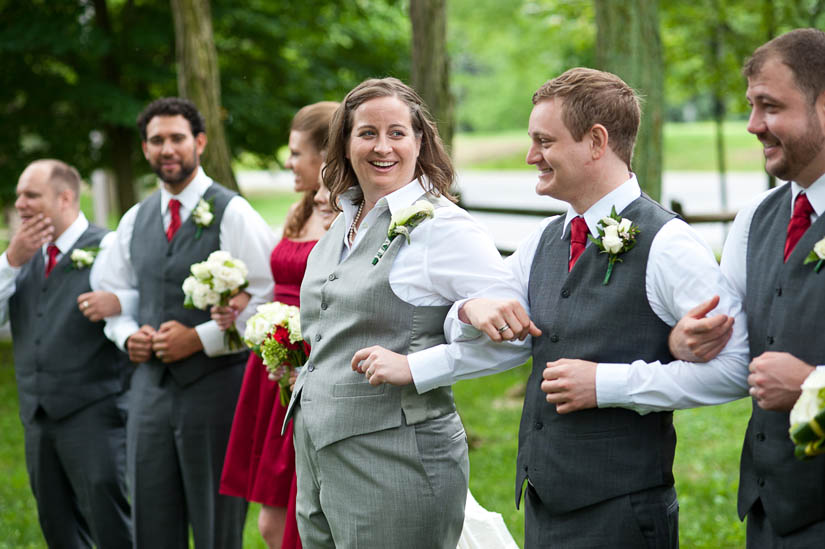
(161, 267)
(784, 307)
(585, 457)
(345, 307)
(62, 361)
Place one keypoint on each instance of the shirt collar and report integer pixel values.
(620, 197)
(69, 237)
(396, 200)
(815, 192)
(190, 195)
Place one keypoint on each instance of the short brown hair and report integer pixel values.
(591, 97)
(802, 51)
(61, 175)
(432, 162)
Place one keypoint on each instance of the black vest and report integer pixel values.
(62, 361)
(161, 267)
(782, 304)
(585, 457)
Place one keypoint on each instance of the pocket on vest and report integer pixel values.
(361, 389)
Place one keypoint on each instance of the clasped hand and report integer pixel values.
(171, 342)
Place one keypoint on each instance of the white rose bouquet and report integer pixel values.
(808, 417)
(274, 334)
(817, 255)
(617, 235)
(213, 282)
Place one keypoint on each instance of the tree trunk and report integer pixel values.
(628, 44)
(123, 140)
(199, 81)
(769, 28)
(430, 65)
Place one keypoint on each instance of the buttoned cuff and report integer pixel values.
(212, 338)
(611, 385)
(430, 368)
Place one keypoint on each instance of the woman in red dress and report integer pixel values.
(260, 462)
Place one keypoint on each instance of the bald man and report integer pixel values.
(71, 379)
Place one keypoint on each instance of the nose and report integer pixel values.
(533, 156)
(166, 148)
(382, 144)
(19, 202)
(756, 121)
(288, 164)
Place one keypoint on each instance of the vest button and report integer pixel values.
(554, 338)
(770, 340)
(311, 368)
(323, 306)
(331, 277)
(539, 425)
(565, 293)
(760, 481)
(760, 436)
(317, 337)
(779, 291)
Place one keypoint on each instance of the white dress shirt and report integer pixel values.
(681, 273)
(64, 243)
(450, 257)
(243, 233)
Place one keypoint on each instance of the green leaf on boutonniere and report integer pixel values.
(817, 255)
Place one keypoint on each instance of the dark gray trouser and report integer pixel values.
(77, 471)
(762, 536)
(646, 519)
(402, 487)
(177, 442)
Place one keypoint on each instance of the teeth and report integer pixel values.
(382, 164)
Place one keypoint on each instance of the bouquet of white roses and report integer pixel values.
(213, 282)
(274, 334)
(808, 417)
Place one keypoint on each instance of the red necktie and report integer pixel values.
(800, 221)
(52, 252)
(174, 223)
(578, 239)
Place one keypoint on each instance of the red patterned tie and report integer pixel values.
(174, 223)
(800, 221)
(578, 239)
(52, 252)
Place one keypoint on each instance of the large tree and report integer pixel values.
(628, 44)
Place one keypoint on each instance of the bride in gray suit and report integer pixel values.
(380, 465)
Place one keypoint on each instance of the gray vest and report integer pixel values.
(161, 267)
(783, 307)
(62, 361)
(585, 457)
(345, 307)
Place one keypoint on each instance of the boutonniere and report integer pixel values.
(617, 235)
(203, 216)
(82, 258)
(403, 222)
(817, 255)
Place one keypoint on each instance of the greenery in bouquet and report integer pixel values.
(274, 334)
(214, 282)
(808, 417)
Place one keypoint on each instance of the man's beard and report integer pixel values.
(186, 170)
(798, 152)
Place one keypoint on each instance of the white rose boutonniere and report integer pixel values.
(817, 255)
(83, 258)
(403, 222)
(203, 216)
(617, 235)
(808, 417)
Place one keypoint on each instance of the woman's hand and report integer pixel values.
(98, 305)
(277, 374)
(225, 316)
(382, 366)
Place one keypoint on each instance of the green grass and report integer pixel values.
(706, 469)
(687, 147)
(273, 206)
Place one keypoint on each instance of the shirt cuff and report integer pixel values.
(430, 368)
(611, 385)
(7, 271)
(212, 338)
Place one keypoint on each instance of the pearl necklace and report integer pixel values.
(352, 227)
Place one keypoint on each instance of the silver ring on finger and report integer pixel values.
(159, 354)
(503, 329)
(84, 305)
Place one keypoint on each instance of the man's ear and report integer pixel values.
(200, 142)
(598, 141)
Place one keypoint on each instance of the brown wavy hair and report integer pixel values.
(432, 162)
(313, 119)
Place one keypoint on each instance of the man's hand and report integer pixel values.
(570, 384)
(776, 380)
(698, 338)
(382, 366)
(98, 305)
(500, 319)
(29, 238)
(173, 341)
(139, 344)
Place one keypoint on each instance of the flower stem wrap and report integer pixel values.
(808, 417)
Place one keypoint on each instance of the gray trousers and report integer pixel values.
(403, 487)
(761, 534)
(77, 471)
(646, 519)
(177, 441)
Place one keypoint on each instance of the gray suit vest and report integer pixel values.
(349, 305)
(161, 267)
(783, 306)
(585, 457)
(62, 361)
